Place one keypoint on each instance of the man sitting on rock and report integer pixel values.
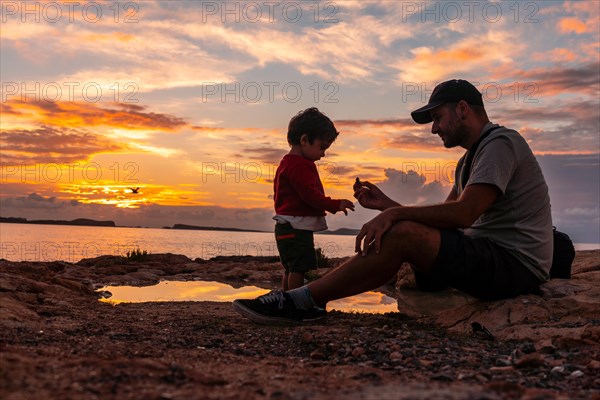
(491, 238)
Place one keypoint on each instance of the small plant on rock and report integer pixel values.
(322, 260)
(136, 255)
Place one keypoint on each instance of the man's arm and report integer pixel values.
(453, 214)
(452, 195)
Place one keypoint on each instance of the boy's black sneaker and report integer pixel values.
(276, 307)
(315, 313)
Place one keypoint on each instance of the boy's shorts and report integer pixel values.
(479, 267)
(296, 248)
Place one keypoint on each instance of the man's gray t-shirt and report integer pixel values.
(519, 219)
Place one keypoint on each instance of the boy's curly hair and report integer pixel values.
(314, 124)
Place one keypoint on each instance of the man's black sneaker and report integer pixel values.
(276, 307)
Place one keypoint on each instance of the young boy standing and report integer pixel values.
(300, 201)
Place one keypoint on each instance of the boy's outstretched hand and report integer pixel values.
(346, 205)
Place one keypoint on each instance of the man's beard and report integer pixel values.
(455, 133)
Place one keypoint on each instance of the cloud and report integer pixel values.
(583, 212)
(581, 79)
(570, 127)
(63, 113)
(429, 64)
(411, 188)
(197, 70)
(573, 182)
(402, 133)
(7, 109)
(405, 187)
(176, 51)
(104, 38)
(584, 18)
(266, 153)
(354, 46)
(155, 59)
(399, 123)
(269, 46)
(342, 170)
(557, 55)
(414, 142)
(207, 128)
(65, 132)
(37, 198)
(53, 145)
(32, 201)
(568, 25)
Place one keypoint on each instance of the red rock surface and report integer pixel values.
(58, 341)
(564, 309)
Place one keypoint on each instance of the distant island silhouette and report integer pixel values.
(91, 222)
(208, 228)
(341, 231)
(78, 221)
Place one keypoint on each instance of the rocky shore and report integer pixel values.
(59, 342)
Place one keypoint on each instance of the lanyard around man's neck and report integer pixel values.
(466, 170)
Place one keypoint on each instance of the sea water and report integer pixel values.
(31, 242)
(370, 302)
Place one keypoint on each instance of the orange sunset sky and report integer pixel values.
(189, 102)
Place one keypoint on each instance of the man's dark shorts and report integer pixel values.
(296, 248)
(479, 267)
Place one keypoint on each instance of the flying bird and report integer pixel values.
(134, 191)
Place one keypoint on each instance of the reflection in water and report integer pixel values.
(371, 302)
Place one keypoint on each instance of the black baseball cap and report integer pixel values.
(451, 91)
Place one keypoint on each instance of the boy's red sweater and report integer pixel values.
(298, 189)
